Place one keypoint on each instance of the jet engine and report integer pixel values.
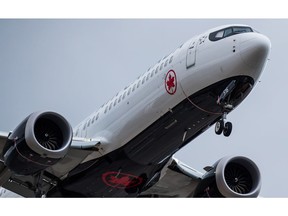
(230, 177)
(38, 142)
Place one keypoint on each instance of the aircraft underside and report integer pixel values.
(132, 169)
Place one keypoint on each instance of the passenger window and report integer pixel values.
(171, 59)
(119, 100)
(110, 106)
(166, 63)
(129, 91)
(156, 71)
(147, 78)
(115, 102)
(124, 95)
(106, 109)
(152, 73)
(161, 66)
(97, 117)
(138, 83)
(134, 87)
(143, 80)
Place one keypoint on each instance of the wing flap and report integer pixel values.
(177, 180)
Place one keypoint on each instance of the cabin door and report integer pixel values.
(191, 54)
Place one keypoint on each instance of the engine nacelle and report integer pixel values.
(231, 177)
(38, 142)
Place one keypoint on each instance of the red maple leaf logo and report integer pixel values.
(121, 180)
(170, 82)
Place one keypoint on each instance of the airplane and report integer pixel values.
(126, 148)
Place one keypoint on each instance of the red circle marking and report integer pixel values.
(121, 180)
(171, 82)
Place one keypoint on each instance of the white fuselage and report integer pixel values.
(197, 64)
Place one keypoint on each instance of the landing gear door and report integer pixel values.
(191, 54)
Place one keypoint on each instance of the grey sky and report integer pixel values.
(74, 66)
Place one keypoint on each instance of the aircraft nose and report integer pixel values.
(255, 50)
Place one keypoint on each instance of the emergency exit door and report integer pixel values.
(191, 54)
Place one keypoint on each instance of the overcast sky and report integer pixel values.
(74, 66)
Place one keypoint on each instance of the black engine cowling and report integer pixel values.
(39, 141)
(231, 177)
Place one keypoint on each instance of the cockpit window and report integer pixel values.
(219, 34)
(223, 33)
(228, 32)
(239, 30)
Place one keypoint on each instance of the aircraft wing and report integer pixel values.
(230, 176)
(176, 180)
(12, 185)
